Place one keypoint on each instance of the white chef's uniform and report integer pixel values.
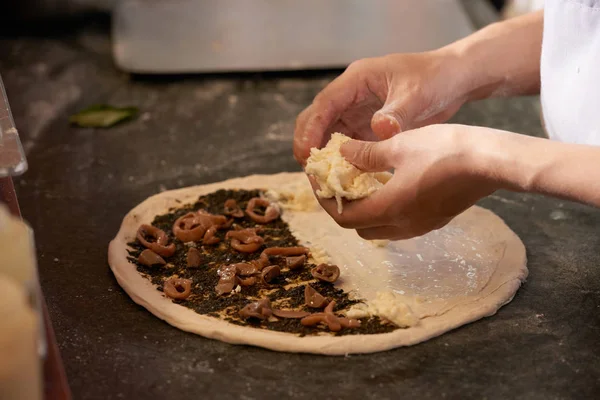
(570, 70)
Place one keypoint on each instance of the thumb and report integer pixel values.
(368, 156)
(394, 117)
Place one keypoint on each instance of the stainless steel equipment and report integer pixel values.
(180, 36)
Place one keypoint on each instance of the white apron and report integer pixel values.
(570, 70)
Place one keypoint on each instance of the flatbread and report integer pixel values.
(448, 278)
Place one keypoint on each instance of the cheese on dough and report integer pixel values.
(379, 242)
(293, 198)
(387, 305)
(390, 306)
(337, 177)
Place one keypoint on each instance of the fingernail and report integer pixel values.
(391, 121)
(385, 125)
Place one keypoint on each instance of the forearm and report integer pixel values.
(502, 59)
(536, 165)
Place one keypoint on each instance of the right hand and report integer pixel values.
(439, 171)
(377, 98)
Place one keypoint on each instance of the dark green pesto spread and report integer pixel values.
(203, 298)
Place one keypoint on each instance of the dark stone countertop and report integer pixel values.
(196, 130)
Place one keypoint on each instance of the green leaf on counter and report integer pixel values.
(102, 116)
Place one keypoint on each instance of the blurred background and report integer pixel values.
(190, 36)
(45, 10)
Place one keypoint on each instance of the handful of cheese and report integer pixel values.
(339, 178)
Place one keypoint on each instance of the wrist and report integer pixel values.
(504, 158)
(455, 72)
(475, 57)
(534, 165)
(501, 59)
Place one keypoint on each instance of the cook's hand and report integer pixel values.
(440, 171)
(378, 97)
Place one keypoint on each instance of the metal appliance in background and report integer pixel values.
(187, 36)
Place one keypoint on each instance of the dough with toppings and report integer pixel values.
(447, 278)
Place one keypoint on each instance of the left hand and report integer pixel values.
(440, 171)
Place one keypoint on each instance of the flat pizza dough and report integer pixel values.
(447, 278)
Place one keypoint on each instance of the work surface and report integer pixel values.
(198, 130)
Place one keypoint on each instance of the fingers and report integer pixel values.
(385, 125)
(438, 118)
(357, 214)
(386, 232)
(403, 229)
(370, 156)
(373, 218)
(313, 124)
(301, 140)
(397, 115)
